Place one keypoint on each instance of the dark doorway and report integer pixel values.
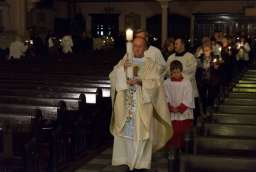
(62, 26)
(177, 26)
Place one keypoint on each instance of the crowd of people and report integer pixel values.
(169, 90)
(219, 60)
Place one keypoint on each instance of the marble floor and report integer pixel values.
(102, 163)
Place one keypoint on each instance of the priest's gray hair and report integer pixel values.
(142, 31)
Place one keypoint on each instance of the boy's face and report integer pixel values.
(207, 51)
(176, 74)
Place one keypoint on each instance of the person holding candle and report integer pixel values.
(140, 121)
(216, 47)
(229, 64)
(199, 50)
(208, 78)
(242, 55)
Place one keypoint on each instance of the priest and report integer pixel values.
(140, 121)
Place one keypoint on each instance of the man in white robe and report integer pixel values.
(140, 120)
(67, 44)
(17, 49)
(151, 50)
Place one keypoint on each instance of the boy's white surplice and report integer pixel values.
(178, 92)
(189, 64)
(140, 121)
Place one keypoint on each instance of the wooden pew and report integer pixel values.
(19, 151)
(237, 109)
(224, 146)
(48, 111)
(244, 81)
(239, 101)
(59, 87)
(245, 85)
(228, 130)
(72, 103)
(53, 78)
(14, 93)
(229, 118)
(244, 90)
(242, 95)
(211, 163)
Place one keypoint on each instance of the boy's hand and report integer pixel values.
(174, 109)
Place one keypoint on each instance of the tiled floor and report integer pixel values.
(102, 163)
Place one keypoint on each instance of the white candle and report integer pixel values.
(129, 34)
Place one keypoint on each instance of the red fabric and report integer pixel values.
(180, 128)
(171, 108)
(177, 79)
(182, 108)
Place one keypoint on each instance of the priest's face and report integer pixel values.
(139, 46)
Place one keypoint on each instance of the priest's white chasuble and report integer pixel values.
(140, 121)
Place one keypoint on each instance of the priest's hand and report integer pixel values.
(134, 81)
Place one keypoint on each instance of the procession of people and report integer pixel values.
(156, 105)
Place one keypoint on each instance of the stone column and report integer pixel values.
(164, 7)
(20, 17)
(71, 8)
(192, 29)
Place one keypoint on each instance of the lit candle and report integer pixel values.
(229, 48)
(129, 51)
(129, 34)
(214, 60)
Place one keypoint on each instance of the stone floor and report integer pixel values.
(102, 163)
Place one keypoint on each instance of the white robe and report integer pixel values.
(17, 49)
(134, 139)
(67, 44)
(189, 64)
(178, 92)
(243, 54)
(50, 43)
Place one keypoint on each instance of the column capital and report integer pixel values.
(164, 3)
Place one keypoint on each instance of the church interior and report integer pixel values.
(56, 96)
